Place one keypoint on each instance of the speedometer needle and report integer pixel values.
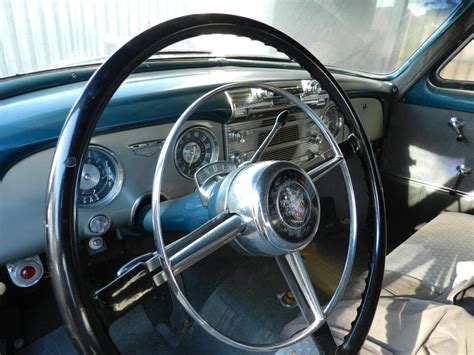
(192, 156)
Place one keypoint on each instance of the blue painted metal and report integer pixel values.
(181, 215)
(424, 93)
(23, 84)
(32, 122)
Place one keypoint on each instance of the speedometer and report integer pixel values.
(195, 148)
(101, 177)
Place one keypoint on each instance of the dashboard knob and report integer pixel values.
(261, 94)
(96, 243)
(99, 224)
(311, 87)
(26, 272)
(236, 136)
(315, 139)
(235, 158)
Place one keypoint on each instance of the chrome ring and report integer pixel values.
(116, 188)
(163, 257)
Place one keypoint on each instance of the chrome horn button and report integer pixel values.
(279, 203)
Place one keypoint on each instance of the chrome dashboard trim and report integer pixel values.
(340, 123)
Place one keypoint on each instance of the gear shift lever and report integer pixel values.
(280, 121)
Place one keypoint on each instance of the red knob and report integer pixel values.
(28, 272)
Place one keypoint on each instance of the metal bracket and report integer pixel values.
(350, 146)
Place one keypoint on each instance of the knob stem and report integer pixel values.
(457, 124)
(280, 121)
(463, 171)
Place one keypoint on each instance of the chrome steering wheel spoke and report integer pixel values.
(195, 246)
(324, 168)
(137, 281)
(296, 276)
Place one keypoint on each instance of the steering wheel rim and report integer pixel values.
(337, 161)
(83, 322)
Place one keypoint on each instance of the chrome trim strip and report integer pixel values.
(427, 184)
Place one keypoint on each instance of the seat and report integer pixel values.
(431, 254)
(413, 314)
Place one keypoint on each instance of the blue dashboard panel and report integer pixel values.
(424, 93)
(32, 121)
(22, 84)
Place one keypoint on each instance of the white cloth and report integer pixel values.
(464, 271)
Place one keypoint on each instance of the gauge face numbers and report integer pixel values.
(100, 178)
(218, 168)
(195, 148)
(333, 119)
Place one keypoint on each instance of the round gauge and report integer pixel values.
(333, 119)
(101, 178)
(195, 148)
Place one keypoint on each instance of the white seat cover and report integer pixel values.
(431, 254)
(411, 317)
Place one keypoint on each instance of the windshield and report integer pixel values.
(372, 36)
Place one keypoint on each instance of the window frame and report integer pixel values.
(452, 83)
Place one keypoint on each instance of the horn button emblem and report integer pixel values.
(293, 205)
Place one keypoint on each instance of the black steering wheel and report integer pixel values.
(245, 222)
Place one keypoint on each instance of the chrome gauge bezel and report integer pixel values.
(214, 148)
(116, 188)
(340, 120)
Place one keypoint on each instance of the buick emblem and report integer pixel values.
(294, 205)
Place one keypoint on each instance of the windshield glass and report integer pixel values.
(372, 36)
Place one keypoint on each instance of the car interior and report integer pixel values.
(286, 177)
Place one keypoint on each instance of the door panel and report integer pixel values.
(421, 146)
(421, 154)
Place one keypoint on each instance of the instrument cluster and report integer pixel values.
(197, 147)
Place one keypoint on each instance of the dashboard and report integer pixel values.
(117, 172)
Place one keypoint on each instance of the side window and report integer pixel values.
(460, 67)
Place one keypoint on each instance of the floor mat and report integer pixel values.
(245, 308)
(55, 343)
(133, 333)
